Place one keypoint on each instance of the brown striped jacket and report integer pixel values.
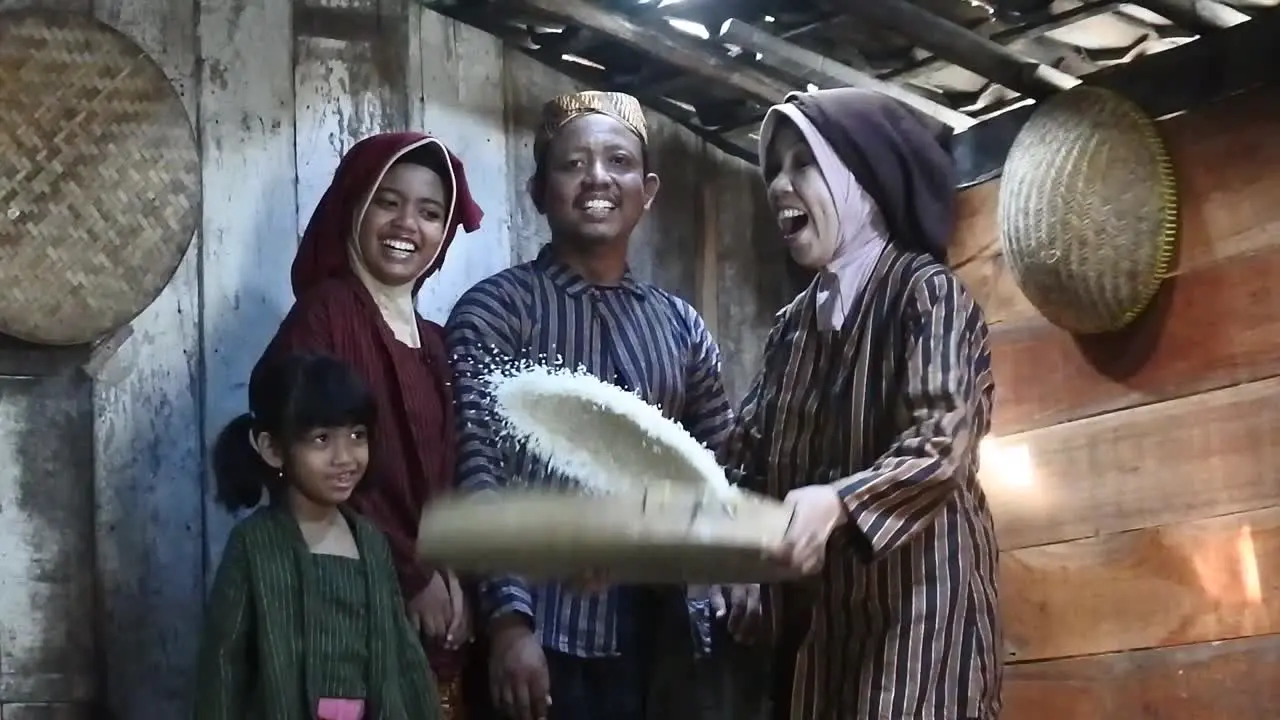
(902, 623)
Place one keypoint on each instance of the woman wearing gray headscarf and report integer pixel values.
(874, 392)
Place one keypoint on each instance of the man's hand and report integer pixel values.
(740, 606)
(518, 678)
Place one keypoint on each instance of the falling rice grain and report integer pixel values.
(599, 434)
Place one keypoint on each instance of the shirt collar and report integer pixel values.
(568, 279)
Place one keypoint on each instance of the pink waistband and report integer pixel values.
(340, 709)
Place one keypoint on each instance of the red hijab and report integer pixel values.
(323, 252)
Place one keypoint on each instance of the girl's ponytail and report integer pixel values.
(240, 474)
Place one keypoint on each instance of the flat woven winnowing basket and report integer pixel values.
(99, 178)
(1088, 210)
(665, 533)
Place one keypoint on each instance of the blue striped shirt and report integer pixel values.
(633, 335)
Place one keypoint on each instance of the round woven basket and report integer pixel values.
(99, 178)
(1088, 210)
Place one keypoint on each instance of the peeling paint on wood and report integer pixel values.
(339, 101)
(455, 84)
(250, 205)
(346, 89)
(148, 460)
(46, 553)
(80, 6)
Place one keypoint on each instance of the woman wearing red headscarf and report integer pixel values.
(382, 228)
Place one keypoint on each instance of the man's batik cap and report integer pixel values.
(560, 111)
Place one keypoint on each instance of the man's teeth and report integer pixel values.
(789, 213)
(598, 205)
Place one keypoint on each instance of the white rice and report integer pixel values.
(599, 434)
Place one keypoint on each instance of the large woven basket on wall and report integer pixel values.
(1088, 210)
(99, 178)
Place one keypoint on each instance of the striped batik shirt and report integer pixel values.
(633, 335)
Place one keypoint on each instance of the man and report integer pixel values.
(560, 652)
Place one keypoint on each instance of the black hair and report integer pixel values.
(433, 157)
(538, 181)
(289, 397)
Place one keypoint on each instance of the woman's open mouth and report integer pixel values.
(791, 221)
(399, 248)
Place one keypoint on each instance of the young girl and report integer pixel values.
(305, 620)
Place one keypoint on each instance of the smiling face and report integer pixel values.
(595, 187)
(404, 226)
(800, 198)
(324, 465)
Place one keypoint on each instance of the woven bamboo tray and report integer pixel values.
(668, 533)
(99, 178)
(1089, 210)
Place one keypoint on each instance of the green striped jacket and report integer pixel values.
(258, 659)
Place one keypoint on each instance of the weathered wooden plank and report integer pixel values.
(1225, 157)
(527, 84)
(664, 248)
(47, 711)
(1172, 585)
(707, 284)
(250, 205)
(456, 93)
(345, 89)
(46, 550)
(1200, 456)
(1212, 327)
(752, 284)
(336, 105)
(80, 6)
(149, 448)
(1233, 680)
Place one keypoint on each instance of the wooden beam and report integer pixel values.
(1196, 15)
(957, 45)
(23, 360)
(713, 12)
(1026, 31)
(335, 23)
(1189, 76)
(795, 60)
(686, 53)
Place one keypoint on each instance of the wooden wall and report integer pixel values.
(1135, 479)
(1132, 477)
